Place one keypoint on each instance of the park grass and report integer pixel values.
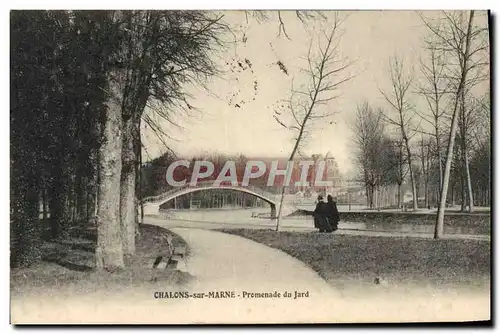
(69, 265)
(356, 261)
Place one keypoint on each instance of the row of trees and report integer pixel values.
(383, 164)
(80, 83)
(438, 147)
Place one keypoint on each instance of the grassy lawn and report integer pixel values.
(70, 266)
(355, 261)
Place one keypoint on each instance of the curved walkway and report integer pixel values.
(223, 262)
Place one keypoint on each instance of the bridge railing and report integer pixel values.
(207, 185)
(227, 185)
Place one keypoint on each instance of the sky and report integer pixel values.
(369, 38)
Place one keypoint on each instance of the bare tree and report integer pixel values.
(376, 155)
(304, 16)
(433, 89)
(325, 76)
(468, 113)
(454, 37)
(398, 100)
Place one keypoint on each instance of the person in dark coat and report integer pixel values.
(332, 212)
(317, 212)
(321, 216)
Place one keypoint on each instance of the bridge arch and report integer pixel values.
(152, 204)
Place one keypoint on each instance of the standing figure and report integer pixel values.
(332, 212)
(321, 216)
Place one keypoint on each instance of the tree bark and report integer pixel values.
(109, 251)
(127, 188)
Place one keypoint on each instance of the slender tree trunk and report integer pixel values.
(469, 183)
(465, 157)
(453, 195)
(109, 251)
(139, 189)
(426, 189)
(59, 209)
(439, 228)
(371, 196)
(81, 202)
(463, 195)
(412, 178)
(292, 156)
(400, 181)
(45, 208)
(428, 163)
(438, 146)
(399, 195)
(425, 171)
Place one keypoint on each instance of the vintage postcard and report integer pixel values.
(250, 167)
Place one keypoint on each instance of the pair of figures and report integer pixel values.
(326, 215)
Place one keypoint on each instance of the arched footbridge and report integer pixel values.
(152, 204)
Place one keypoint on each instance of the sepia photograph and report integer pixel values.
(184, 167)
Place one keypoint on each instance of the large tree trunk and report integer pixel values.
(127, 189)
(439, 228)
(109, 251)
